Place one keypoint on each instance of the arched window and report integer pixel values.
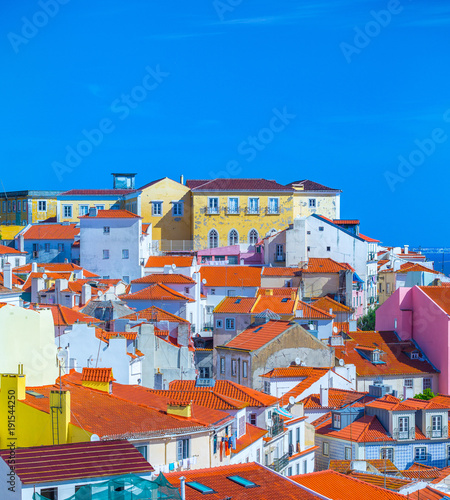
(233, 237)
(213, 239)
(253, 237)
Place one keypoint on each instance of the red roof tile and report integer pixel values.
(52, 232)
(112, 214)
(78, 461)
(256, 336)
(64, 316)
(326, 303)
(307, 185)
(228, 184)
(236, 305)
(209, 399)
(166, 278)
(439, 295)
(155, 314)
(381, 465)
(5, 250)
(337, 398)
(235, 276)
(427, 493)
(383, 481)
(168, 260)
(97, 192)
(252, 434)
(284, 291)
(319, 265)
(281, 271)
(156, 292)
(312, 311)
(97, 375)
(366, 429)
(54, 267)
(409, 267)
(278, 304)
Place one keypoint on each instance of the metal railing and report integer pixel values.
(402, 435)
(253, 210)
(233, 210)
(272, 211)
(437, 433)
(212, 210)
(279, 463)
(280, 257)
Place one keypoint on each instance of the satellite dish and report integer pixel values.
(341, 362)
(44, 276)
(100, 293)
(335, 329)
(204, 281)
(95, 437)
(297, 361)
(291, 400)
(174, 266)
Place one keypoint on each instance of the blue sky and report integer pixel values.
(192, 88)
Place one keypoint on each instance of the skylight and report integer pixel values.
(257, 330)
(243, 482)
(204, 490)
(35, 394)
(237, 301)
(284, 299)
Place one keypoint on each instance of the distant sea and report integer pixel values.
(440, 257)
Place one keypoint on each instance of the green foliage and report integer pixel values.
(426, 394)
(367, 322)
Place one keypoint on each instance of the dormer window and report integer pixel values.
(415, 355)
(375, 356)
(336, 420)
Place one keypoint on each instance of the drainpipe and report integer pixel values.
(183, 487)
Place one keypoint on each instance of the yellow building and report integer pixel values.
(314, 198)
(166, 204)
(238, 211)
(27, 207)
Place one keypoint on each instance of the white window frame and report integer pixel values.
(408, 385)
(233, 322)
(100, 207)
(429, 383)
(312, 203)
(234, 367)
(337, 420)
(157, 213)
(389, 455)
(244, 369)
(249, 203)
(44, 202)
(83, 210)
(216, 245)
(237, 237)
(420, 449)
(249, 236)
(211, 209)
(271, 210)
(175, 206)
(222, 364)
(106, 230)
(105, 254)
(67, 211)
(325, 449)
(348, 453)
(230, 209)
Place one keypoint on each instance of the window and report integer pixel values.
(403, 427)
(328, 249)
(325, 448)
(297, 468)
(253, 206)
(219, 323)
(244, 369)
(436, 426)
(231, 293)
(106, 229)
(47, 247)
(233, 205)
(17, 262)
(320, 228)
(50, 493)
(312, 203)
(253, 418)
(229, 324)
(387, 454)
(222, 365)
(142, 450)
(60, 247)
(420, 454)
(67, 211)
(266, 387)
(409, 382)
(337, 421)
(414, 355)
(177, 208)
(106, 254)
(289, 473)
(182, 449)
(9, 206)
(233, 367)
(279, 254)
(157, 208)
(213, 205)
(42, 206)
(125, 253)
(4, 207)
(100, 207)
(19, 204)
(348, 453)
(204, 372)
(427, 383)
(213, 239)
(253, 237)
(273, 207)
(233, 237)
(213, 291)
(388, 287)
(83, 209)
(308, 249)
(24, 208)
(305, 467)
(258, 456)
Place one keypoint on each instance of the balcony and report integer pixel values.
(212, 210)
(272, 211)
(279, 463)
(402, 435)
(437, 433)
(253, 210)
(280, 257)
(233, 210)
(277, 427)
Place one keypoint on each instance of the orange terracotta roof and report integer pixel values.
(368, 239)
(281, 271)
(15, 280)
(337, 398)
(439, 295)
(391, 403)
(319, 265)
(431, 473)
(230, 390)
(278, 304)
(343, 326)
(271, 486)
(427, 493)
(410, 267)
(383, 466)
(209, 399)
(312, 311)
(396, 361)
(235, 276)
(337, 486)
(326, 303)
(166, 278)
(97, 375)
(156, 292)
(252, 434)
(112, 214)
(168, 260)
(236, 305)
(5, 250)
(366, 429)
(64, 316)
(294, 372)
(381, 480)
(256, 336)
(52, 232)
(54, 267)
(155, 314)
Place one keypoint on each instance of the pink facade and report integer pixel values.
(358, 303)
(232, 254)
(412, 314)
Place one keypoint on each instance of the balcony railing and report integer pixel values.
(212, 210)
(403, 435)
(280, 463)
(437, 433)
(272, 211)
(233, 210)
(280, 257)
(276, 428)
(253, 210)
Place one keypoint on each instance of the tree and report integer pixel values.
(367, 322)
(426, 394)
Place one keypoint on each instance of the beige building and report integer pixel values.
(314, 198)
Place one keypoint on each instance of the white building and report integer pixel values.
(15, 257)
(113, 245)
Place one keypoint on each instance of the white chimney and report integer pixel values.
(21, 243)
(7, 275)
(37, 284)
(34, 267)
(182, 179)
(183, 487)
(331, 311)
(406, 249)
(85, 294)
(324, 397)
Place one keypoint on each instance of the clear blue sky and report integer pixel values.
(359, 83)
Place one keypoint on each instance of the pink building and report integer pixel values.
(421, 313)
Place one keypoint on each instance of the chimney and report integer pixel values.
(324, 397)
(92, 212)
(293, 295)
(34, 267)
(299, 313)
(269, 291)
(85, 294)
(37, 284)
(179, 409)
(7, 275)
(60, 401)
(183, 487)
(21, 243)
(406, 249)
(182, 179)
(331, 311)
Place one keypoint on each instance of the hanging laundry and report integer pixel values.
(171, 467)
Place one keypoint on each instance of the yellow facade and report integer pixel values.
(205, 220)
(27, 207)
(307, 203)
(158, 200)
(70, 208)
